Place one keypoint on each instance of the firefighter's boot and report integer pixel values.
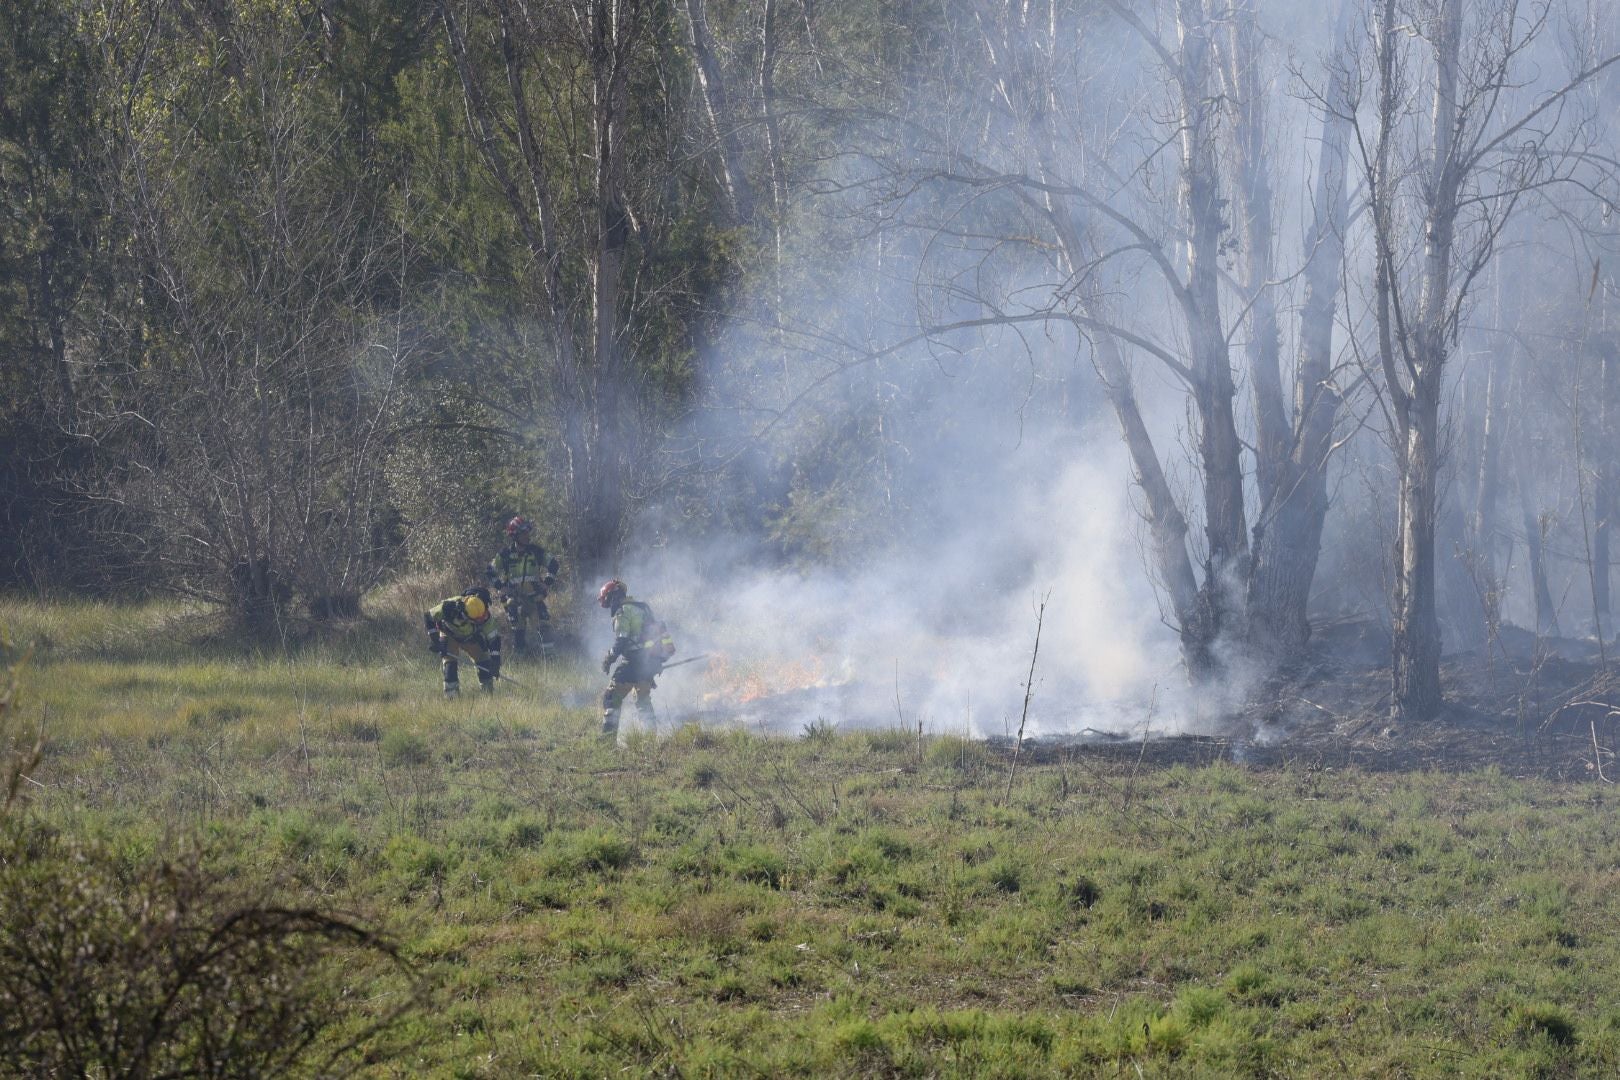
(452, 679)
(489, 668)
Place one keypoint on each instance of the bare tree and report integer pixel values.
(1129, 190)
(253, 420)
(1292, 447)
(1442, 184)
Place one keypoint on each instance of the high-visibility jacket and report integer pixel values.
(521, 568)
(449, 617)
(637, 633)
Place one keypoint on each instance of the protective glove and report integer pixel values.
(436, 644)
(607, 663)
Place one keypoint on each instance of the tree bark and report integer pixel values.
(1486, 494)
(1416, 626)
(773, 139)
(1416, 637)
(717, 101)
(601, 504)
(1252, 203)
(1288, 533)
(1546, 610)
(1219, 448)
(1604, 479)
(1165, 521)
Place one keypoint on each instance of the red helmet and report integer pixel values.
(518, 526)
(612, 590)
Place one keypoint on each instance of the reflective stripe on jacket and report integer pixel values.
(525, 568)
(628, 623)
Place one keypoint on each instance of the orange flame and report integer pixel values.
(738, 683)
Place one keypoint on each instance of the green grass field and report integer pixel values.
(719, 904)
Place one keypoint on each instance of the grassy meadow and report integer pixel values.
(711, 903)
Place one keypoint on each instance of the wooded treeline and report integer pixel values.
(301, 293)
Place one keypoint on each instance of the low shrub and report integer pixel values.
(161, 969)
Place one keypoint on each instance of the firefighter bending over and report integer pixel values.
(459, 626)
(524, 574)
(641, 645)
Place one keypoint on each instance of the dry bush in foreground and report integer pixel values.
(155, 968)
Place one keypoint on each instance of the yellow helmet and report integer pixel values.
(475, 608)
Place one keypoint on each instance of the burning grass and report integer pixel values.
(731, 682)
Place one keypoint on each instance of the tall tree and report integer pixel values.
(51, 229)
(1442, 185)
(1123, 194)
(576, 114)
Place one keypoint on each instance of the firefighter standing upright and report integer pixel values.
(641, 645)
(524, 574)
(458, 626)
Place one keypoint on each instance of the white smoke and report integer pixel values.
(938, 629)
(1010, 485)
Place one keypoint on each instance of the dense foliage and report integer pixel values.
(299, 295)
(274, 317)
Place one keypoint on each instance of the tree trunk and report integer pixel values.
(1603, 481)
(1165, 521)
(767, 99)
(1416, 638)
(1219, 448)
(1288, 532)
(1535, 528)
(1490, 482)
(1416, 628)
(1252, 203)
(55, 316)
(601, 504)
(773, 139)
(712, 82)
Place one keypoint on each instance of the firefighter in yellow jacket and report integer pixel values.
(459, 627)
(641, 645)
(524, 574)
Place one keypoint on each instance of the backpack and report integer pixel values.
(660, 643)
(656, 641)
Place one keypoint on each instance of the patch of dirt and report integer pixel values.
(1529, 706)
